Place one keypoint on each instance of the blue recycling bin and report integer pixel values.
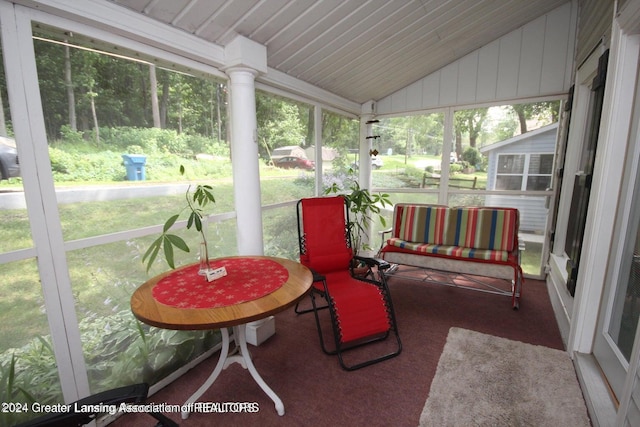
(134, 163)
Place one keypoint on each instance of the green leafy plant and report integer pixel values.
(12, 394)
(196, 201)
(364, 207)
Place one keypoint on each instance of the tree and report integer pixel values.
(279, 123)
(470, 122)
(542, 111)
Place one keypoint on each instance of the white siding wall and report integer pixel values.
(533, 210)
(535, 60)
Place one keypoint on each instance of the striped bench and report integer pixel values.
(478, 241)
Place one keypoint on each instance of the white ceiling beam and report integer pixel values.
(287, 83)
(117, 19)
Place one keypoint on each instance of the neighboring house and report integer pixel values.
(329, 154)
(523, 163)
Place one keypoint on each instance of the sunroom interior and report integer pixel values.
(443, 94)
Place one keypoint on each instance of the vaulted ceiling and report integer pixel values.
(358, 49)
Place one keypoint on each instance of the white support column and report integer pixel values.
(317, 132)
(244, 161)
(366, 132)
(245, 60)
(447, 147)
(366, 144)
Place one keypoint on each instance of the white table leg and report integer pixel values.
(239, 332)
(244, 359)
(224, 351)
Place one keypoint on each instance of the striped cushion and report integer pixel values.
(420, 223)
(452, 251)
(482, 228)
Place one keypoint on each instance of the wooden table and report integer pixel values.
(148, 309)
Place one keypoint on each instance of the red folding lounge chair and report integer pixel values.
(360, 308)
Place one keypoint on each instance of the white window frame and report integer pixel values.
(525, 172)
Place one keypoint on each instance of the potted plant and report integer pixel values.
(363, 208)
(196, 201)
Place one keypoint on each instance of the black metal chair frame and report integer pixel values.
(375, 268)
(133, 394)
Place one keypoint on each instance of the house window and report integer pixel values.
(524, 172)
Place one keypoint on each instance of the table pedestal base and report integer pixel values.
(243, 358)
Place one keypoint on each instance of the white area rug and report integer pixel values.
(482, 380)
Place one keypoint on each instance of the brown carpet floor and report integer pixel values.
(317, 392)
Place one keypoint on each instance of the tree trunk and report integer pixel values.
(164, 102)
(218, 112)
(523, 121)
(522, 116)
(153, 84)
(96, 128)
(71, 99)
(458, 149)
(311, 133)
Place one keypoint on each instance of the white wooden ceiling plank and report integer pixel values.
(262, 14)
(185, 10)
(307, 31)
(341, 47)
(164, 11)
(348, 20)
(196, 14)
(280, 20)
(137, 5)
(211, 19)
(367, 41)
(443, 52)
(372, 56)
(223, 19)
(378, 62)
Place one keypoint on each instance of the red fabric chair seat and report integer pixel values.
(360, 307)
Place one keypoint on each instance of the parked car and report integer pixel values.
(9, 165)
(293, 162)
(376, 163)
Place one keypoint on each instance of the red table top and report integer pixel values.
(247, 279)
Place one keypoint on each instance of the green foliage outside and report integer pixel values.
(118, 350)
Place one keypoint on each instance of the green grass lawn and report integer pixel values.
(104, 276)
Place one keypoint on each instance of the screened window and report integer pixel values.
(286, 148)
(540, 168)
(119, 129)
(411, 152)
(524, 172)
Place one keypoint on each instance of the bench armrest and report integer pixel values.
(382, 238)
(373, 262)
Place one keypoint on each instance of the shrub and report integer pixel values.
(472, 156)
(455, 168)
